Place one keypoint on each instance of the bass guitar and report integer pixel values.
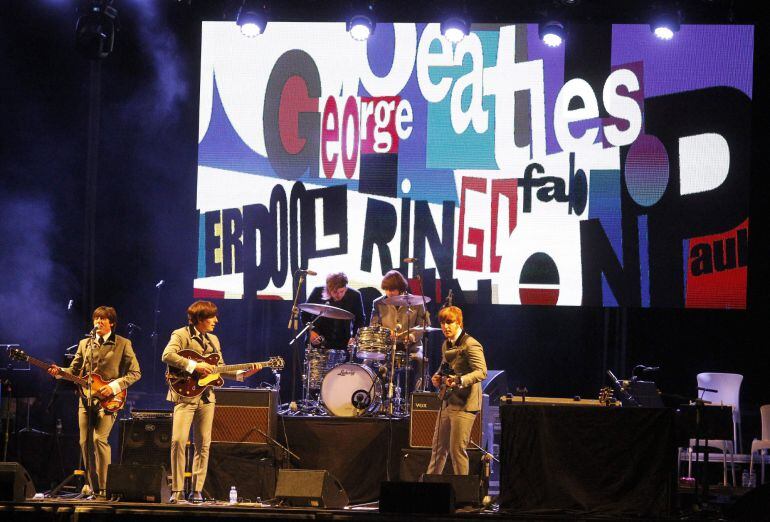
(92, 381)
(445, 371)
(192, 384)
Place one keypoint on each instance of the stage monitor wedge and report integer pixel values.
(15, 483)
(310, 488)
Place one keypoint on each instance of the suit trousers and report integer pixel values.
(97, 454)
(451, 438)
(201, 415)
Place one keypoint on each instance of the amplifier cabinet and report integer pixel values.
(422, 423)
(241, 413)
(145, 441)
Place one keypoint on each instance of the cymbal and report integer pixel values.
(328, 311)
(406, 300)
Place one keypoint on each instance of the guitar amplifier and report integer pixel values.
(241, 413)
(146, 441)
(422, 423)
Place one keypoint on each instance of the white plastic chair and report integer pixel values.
(763, 444)
(728, 386)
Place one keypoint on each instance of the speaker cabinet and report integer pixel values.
(310, 488)
(467, 488)
(137, 483)
(241, 413)
(15, 483)
(417, 498)
(145, 441)
(422, 423)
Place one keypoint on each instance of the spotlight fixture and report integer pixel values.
(95, 29)
(552, 33)
(665, 24)
(360, 27)
(455, 29)
(251, 19)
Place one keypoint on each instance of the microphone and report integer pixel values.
(306, 271)
(398, 327)
(710, 390)
(411, 259)
(92, 333)
(448, 301)
(159, 283)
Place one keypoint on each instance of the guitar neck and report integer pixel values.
(235, 367)
(64, 375)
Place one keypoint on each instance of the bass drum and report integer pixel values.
(351, 390)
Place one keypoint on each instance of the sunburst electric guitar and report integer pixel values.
(192, 384)
(93, 381)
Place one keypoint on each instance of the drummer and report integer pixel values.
(410, 317)
(335, 334)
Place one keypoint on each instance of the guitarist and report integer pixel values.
(462, 399)
(198, 410)
(111, 357)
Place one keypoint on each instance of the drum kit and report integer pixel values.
(365, 378)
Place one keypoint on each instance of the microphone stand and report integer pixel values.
(154, 334)
(286, 451)
(293, 318)
(423, 373)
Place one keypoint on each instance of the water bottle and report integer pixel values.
(233, 495)
(745, 478)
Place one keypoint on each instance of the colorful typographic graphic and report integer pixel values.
(613, 171)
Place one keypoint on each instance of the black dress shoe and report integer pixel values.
(196, 496)
(176, 497)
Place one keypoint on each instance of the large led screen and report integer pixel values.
(611, 171)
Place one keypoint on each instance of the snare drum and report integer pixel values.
(349, 390)
(333, 358)
(373, 342)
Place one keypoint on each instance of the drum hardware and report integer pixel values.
(317, 363)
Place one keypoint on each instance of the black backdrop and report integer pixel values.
(145, 223)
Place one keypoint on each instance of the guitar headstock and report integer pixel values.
(606, 396)
(17, 354)
(275, 363)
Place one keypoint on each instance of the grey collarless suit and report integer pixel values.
(461, 405)
(198, 410)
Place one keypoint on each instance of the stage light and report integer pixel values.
(665, 25)
(455, 29)
(251, 19)
(360, 27)
(552, 33)
(95, 29)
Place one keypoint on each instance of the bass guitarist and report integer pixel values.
(112, 358)
(197, 409)
(462, 358)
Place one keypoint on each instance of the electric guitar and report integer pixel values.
(192, 384)
(94, 381)
(445, 371)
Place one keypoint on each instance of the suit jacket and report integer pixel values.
(188, 338)
(389, 316)
(115, 359)
(466, 358)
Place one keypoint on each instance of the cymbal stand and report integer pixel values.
(293, 325)
(307, 405)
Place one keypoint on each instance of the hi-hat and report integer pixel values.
(406, 300)
(331, 312)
